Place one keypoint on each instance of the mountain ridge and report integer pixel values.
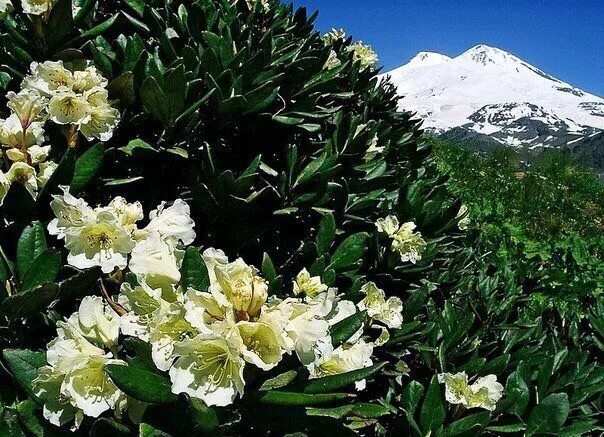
(489, 94)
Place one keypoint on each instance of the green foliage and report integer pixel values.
(234, 110)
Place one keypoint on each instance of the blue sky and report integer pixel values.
(565, 38)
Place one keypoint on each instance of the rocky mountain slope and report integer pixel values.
(490, 97)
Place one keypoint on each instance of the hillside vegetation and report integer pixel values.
(543, 223)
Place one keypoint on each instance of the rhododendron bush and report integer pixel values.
(215, 221)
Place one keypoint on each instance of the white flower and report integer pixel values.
(46, 169)
(173, 223)
(37, 7)
(11, 133)
(209, 368)
(69, 108)
(87, 79)
(6, 6)
(101, 123)
(28, 105)
(307, 285)
(75, 382)
(70, 212)
(258, 343)
(166, 329)
(263, 3)
(332, 61)
(409, 244)
(4, 186)
(389, 312)
(483, 393)
(97, 321)
(212, 258)
(25, 174)
(48, 77)
(388, 225)
(245, 290)
(155, 261)
(334, 35)
(345, 358)
(128, 213)
(364, 54)
(90, 389)
(101, 241)
(143, 303)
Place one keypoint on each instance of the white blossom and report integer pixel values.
(388, 311)
(483, 393)
(209, 368)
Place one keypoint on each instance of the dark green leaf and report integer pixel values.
(43, 270)
(344, 329)
(326, 234)
(31, 244)
(194, 271)
(334, 382)
(87, 167)
(350, 252)
(432, 414)
(549, 415)
(141, 384)
(24, 365)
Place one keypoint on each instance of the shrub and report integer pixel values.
(274, 147)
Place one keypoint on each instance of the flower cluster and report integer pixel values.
(78, 99)
(409, 244)
(204, 338)
(363, 53)
(74, 382)
(104, 236)
(483, 393)
(464, 218)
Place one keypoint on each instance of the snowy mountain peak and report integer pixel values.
(490, 93)
(484, 55)
(428, 58)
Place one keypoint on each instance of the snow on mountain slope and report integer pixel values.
(488, 91)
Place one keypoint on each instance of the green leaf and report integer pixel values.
(24, 365)
(32, 243)
(549, 415)
(346, 328)
(135, 145)
(473, 423)
(104, 426)
(194, 271)
(363, 411)
(9, 423)
(155, 101)
(122, 88)
(79, 285)
(43, 270)
(146, 430)
(326, 234)
(60, 23)
(26, 411)
(432, 415)
(513, 428)
(203, 418)
(279, 381)
(350, 252)
(412, 394)
(292, 399)
(268, 268)
(334, 382)
(175, 90)
(87, 167)
(29, 303)
(141, 384)
(84, 10)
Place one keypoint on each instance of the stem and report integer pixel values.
(120, 310)
(24, 146)
(72, 137)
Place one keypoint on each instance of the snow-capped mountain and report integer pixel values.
(487, 94)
